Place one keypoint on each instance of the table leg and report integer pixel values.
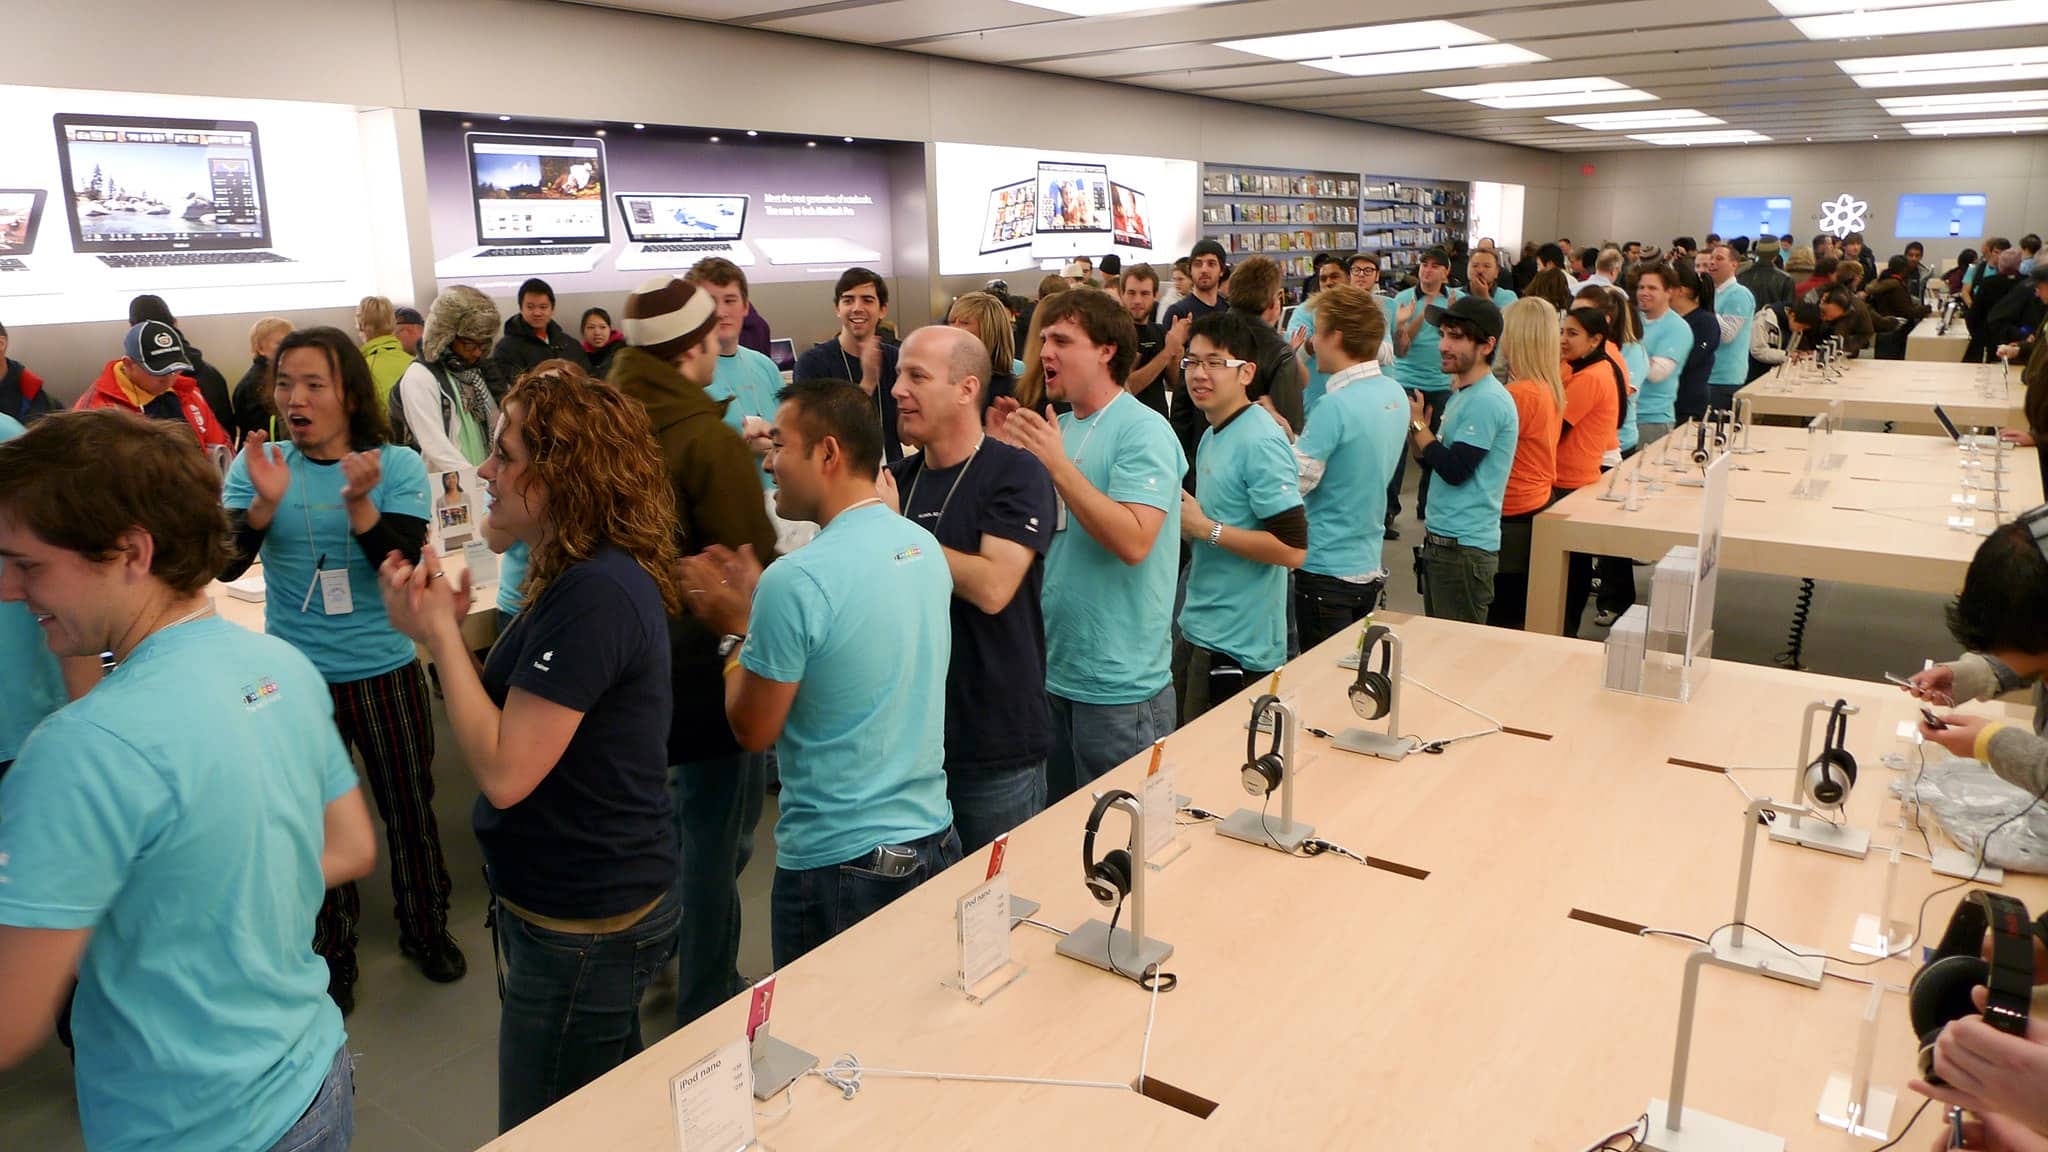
(1547, 561)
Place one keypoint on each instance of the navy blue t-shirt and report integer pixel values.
(1692, 379)
(828, 361)
(596, 837)
(996, 713)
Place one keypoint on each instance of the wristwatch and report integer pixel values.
(1417, 427)
(728, 642)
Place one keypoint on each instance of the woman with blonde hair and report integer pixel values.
(989, 321)
(1534, 367)
(377, 324)
(251, 397)
(565, 727)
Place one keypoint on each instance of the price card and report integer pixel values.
(983, 920)
(482, 562)
(714, 1102)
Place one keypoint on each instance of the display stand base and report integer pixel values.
(990, 984)
(1378, 744)
(1963, 866)
(1705, 1133)
(1020, 908)
(1809, 489)
(1840, 839)
(1174, 850)
(777, 1065)
(1873, 1120)
(1871, 938)
(1264, 830)
(1761, 956)
(1091, 942)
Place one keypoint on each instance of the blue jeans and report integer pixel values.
(1090, 739)
(718, 804)
(571, 1009)
(329, 1122)
(988, 802)
(812, 905)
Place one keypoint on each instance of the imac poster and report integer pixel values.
(594, 207)
(219, 206)
(1011, 209)
(1752, 216)
(1940, 216)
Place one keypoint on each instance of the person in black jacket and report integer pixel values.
(1986, 294)
(600, 340)
(533, 338)
(212, 385)
(252, 407)
(22, 395)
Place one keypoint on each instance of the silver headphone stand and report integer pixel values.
(1091, 943)
(1258, 828)
(1840, 839)
(1389, 745)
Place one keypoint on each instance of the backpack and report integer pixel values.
(394, 408)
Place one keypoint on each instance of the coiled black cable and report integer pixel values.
(1795, 639)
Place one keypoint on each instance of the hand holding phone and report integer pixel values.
(1934, 722)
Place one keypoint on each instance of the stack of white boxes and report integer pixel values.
(1658, 628)
(1671, 597)
(1625, 647)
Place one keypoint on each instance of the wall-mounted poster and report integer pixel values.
(601, 207)
(1940, 215)
(217, 205)
(1009, 209)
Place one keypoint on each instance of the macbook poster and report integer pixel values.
(1004, 210)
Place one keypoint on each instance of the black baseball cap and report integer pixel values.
(158, 348)
(1477, 311)
(408, 316)
(1208, 248)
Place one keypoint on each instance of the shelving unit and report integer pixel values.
(1287, 214)
(1402, 217)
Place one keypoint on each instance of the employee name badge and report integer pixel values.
(714, 1102)
(1059, 515)
(336, 598)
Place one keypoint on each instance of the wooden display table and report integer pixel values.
(1882, 520)
(1926, 343)
(1324, 1004)
(479, 629)
(1903, 392)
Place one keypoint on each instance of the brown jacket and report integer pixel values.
(1891, 298)
(716, 478)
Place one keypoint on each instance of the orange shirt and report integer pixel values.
(1535, 470)
(1593, 389)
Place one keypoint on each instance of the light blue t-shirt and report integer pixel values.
(1667, 337)
(859, 620)
(311, 527)
(176, 811)
(1108, 625)
(1637, 361)
(511, 574)
(1502, 297)
(1731, 359)
(1245, 474)
(31, 686)
(1482, 414)
(1422, 368)
(1304, 321)
(1358, 437)
(750, 381)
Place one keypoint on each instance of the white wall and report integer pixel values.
(542, 58)
(1656, 194)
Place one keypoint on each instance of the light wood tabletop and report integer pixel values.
(1903, 392)
(1927, 342)
(1882, 519)
(479, 629)
(1325, 1004)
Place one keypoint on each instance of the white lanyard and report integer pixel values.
(943, 504)
(312, 542)
(1094, 423)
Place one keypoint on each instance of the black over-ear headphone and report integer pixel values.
(1940, 992)
(1108, 879)
(1262, 773)
(1701, 454)
(1833, 772)
(1373, 692)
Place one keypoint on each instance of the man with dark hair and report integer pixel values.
(837, 657)
(1158, 348)
(153, 376)
(1895, 307)
(1632, 251)
(670, 359)
(1248, 525)
(1206, 268)
(1825, 246)
(165, 840)
(532, 338)
(1255, 296)
(1853, 249)
(1736, 310)
(991, 507)
(2030, 251)
(1418, 368)
(1550, 256)
(1301, 332)
(1763, 279)
(1683, 247)
(859, 355)
(1363, 271)
(1460, 551)
(745, 381)
(1109, 574)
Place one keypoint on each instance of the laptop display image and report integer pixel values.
(21, 214)
(783, 352)
(142, 186)
(1073, 209)
(675, 230)
(1012, 217)
(538, 204)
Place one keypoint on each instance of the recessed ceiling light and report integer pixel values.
(1111, 7)
(1428, 60)
(1977, 127)
(640, 127)
(1862, 18)
(1677, 139)
(848, 139)
(1652, 118)
(1567, 93)
(810, 143)
(1360, 41)
(751, 132)
(1965, 103)
(1989, 66)
(504, 117)
(714, 139)
(600, 131)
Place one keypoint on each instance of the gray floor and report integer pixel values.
(427, 1053)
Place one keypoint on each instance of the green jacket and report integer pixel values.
(388, 361)
(716, 478)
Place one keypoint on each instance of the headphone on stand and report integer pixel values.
(1372, 694)
(1702, 453)
(1832, 774)
(1940, 992)
(1108, 879)
(1262, 773)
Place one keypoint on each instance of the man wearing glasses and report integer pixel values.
(1248, 528)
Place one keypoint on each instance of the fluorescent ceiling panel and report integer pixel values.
(1846, 19)
(1653, 118)
(1966, 103)
(1421, 34)
(1111, 7)
(1428, 60)
(1677, 139)
(1977, 127)
(1567, 93)
(1990, 66)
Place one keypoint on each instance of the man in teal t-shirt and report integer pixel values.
(168, 837)
(31, 684)
(1736, 307)
(1667, 341)
(841, 655)
(1328, 275)
(1417, 367)
(1248, 529)
(745, 382)
(1116, 467)
(1461, 545)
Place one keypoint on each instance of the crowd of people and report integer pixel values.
(930, 586)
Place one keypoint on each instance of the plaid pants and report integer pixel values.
(386, 720)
